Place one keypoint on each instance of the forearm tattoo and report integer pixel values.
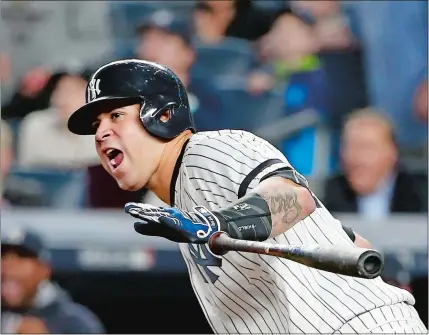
(284, 204)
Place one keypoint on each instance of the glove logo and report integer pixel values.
(208, 220)
(241, 207)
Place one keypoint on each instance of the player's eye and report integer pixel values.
(95, 125)
(115, 115)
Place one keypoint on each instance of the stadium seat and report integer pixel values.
(230, 57)
(57, 189)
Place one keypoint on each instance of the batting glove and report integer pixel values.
(173, 224)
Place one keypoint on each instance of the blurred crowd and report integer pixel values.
(340, 87)
(293, 72)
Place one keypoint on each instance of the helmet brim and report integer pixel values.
(80, 122)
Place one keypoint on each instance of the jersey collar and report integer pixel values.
(176, 173)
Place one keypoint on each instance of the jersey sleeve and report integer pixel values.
(228, 164)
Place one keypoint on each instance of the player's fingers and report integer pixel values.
(139, 210)
(133, 208)
(145, 228)
(170, 222)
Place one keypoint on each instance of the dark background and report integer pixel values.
(138, 302)
(159, 304)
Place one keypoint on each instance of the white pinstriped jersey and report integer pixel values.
(250, 293)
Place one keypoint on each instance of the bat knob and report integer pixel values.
(214, 244)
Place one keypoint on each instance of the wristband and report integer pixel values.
(249, 218)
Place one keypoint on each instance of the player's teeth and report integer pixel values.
(113, 163)
(109, 151)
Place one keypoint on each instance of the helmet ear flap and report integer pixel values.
(166, 115)
(152, 117)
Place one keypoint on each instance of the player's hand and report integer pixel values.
(176, 225)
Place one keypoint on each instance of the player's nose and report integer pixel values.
(103, 132)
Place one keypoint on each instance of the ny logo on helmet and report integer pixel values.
(93, 89)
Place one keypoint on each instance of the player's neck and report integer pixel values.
(161, 180)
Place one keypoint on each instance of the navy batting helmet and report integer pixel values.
(126, 82)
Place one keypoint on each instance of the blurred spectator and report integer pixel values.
(421, 101)
(319, 71)
(4, 68)
(329, 24)
(31, 302)
(290, 46)
(394, 37)
(6, 158)
(373, 184)
(341, 58)
(290, 51)
(33, 94)
(214, 20)
(167, 41)
(45, 141)
(13, 191)
(296, 38)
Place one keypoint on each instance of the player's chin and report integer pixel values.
(128, 181)
(127, 185)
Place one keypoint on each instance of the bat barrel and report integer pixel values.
(356, 262)
(370, 264)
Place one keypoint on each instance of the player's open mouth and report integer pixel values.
(115, 157)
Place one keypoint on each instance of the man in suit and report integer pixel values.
(372, 182)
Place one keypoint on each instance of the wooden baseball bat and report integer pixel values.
(356, 262)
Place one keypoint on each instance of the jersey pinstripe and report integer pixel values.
(249, 293)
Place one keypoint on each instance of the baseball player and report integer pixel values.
(234, 182)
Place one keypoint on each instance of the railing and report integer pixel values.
(105, 240)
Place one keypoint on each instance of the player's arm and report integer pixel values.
(270, 209)
(288, 203)
(362, 242)
(275, 205)
(357, 239)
